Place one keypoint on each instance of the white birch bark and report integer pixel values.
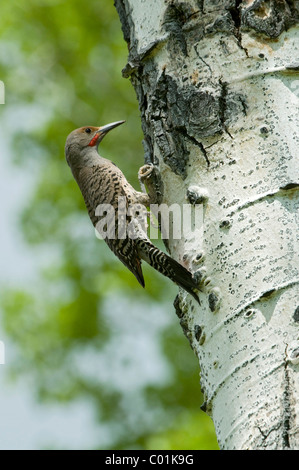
(217, 89)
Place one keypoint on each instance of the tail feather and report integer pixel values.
(167, 266)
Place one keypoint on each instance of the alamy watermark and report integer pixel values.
(2, 92)
(134, 220)
(2, 353)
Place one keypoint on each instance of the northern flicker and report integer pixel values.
(102, 182)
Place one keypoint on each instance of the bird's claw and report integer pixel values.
(145, 172)
(147, 178)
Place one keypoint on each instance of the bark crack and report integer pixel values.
(236, 16)
(286, 423)
(197, 143)
(200, 58)
(200, 4)
(265, 435)
(222, 106)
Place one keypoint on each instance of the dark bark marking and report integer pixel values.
(223, 105)
(177, 307)
(267, 294)
(270, 17)
(180, 112)
(176, 15)
(289, 186)
(197, 332)
(198, 144)
(287, 412)
(213, 301)
(200, 58)
(296, 315)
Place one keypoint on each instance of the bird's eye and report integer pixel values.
(88, 130)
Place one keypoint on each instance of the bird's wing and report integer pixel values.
(100, 186)
(126, 251)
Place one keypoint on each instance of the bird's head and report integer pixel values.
(81, 143)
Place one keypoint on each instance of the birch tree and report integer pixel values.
(218, 96)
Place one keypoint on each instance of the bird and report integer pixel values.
(102, 183)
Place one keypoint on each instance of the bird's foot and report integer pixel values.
(145, 173)
(147, 176)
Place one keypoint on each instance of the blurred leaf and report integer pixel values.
(191, 432)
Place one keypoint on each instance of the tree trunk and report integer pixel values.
(218, 95)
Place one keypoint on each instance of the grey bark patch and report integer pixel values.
(197, 332)
(270, 17)
(177, 307)
(175, 16)
(296, 315)
(178, 110)
(196, 110)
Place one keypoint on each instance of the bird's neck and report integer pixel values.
(89, 158)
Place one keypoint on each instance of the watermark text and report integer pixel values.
(134, 221)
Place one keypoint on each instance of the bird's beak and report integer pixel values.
(104, 129)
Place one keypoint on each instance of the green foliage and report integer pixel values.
(61, 62)
(191, 432)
